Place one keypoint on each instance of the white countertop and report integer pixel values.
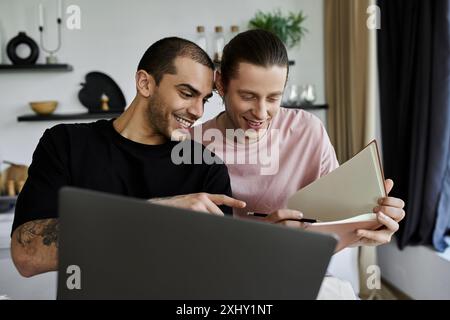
(6, 221)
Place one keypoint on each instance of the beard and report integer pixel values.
(156, 116)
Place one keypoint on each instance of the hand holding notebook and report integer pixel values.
(343, 200)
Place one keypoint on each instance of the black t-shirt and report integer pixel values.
(95, 156)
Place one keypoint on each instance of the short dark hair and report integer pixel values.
(258, 47)
(160, 56)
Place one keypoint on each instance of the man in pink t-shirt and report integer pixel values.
(292, 153)
(272, 152)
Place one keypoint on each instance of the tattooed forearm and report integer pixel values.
(50, 233)
(47, 230)
(34, 247)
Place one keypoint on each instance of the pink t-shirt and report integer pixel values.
(294, 152)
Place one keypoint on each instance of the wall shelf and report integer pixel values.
(36, 67)
(110, 115)
(311, 107)
(68, 116)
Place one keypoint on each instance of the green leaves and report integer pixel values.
(288, 28)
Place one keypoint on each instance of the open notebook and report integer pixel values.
(343, 200)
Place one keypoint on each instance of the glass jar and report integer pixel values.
(234, 30)
(201, 38)
(219, 43)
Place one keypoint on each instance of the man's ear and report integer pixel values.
(145, 83)
(219, 84)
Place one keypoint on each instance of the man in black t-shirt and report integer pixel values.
(130, 155)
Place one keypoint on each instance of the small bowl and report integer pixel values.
(44, 107)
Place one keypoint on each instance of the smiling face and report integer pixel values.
(178, 101)
(253, 97)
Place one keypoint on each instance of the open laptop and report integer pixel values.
(112, 247)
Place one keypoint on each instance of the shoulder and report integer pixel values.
(298, 116)
(56, 136)
(68, 129)
(299, 122)
(79, 131)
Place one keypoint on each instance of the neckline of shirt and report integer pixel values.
(147, 147)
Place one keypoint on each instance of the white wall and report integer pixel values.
(418, 271)
(114, 34)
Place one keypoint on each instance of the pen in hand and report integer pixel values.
(263, 215)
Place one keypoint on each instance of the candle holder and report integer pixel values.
(51, 58)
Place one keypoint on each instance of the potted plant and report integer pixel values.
(289, 28)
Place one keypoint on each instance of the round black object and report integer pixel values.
(97, 84)
(11, 49)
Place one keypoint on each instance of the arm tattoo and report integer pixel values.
(47, 229)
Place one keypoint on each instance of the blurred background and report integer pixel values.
(368, 69)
